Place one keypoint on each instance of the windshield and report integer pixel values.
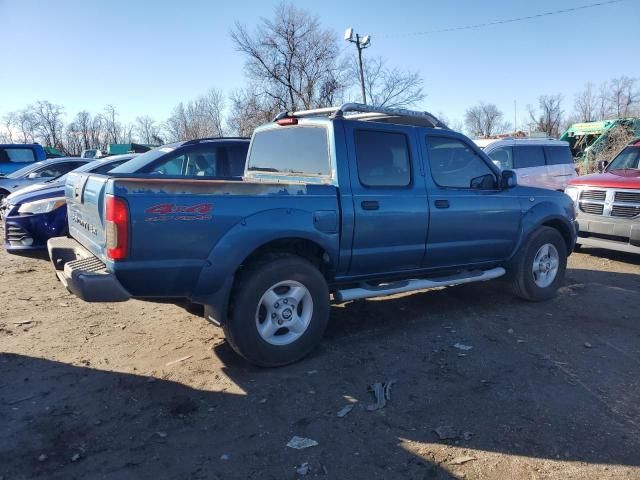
(23, 171)
(628, 158)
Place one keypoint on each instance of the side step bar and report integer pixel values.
(369, 291)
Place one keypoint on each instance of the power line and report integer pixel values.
(502, 22)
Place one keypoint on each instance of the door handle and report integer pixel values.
(370, 205)
(442, 203)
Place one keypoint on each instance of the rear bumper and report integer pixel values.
(83, 274)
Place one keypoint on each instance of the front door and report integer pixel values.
(390, 205)
(472, 220)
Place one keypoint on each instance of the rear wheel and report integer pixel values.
(538, 269)
(279, 311)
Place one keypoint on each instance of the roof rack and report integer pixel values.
(360, 111)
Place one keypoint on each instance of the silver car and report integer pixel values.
(38, 172)
(539, 162)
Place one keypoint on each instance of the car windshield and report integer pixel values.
(629, 158)
(23, 171)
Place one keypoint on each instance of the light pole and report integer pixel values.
(361, 44)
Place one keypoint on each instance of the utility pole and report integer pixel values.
(361, 43)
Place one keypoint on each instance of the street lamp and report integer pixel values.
(361, 43)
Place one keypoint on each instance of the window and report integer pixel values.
(528, 156)
(107, 167)
(383, 159)
(558, 155)
(628, 158)
(237, 159)
(290, 150)
(57, 169)
(17, 155)
(503, 157)
(454, 164)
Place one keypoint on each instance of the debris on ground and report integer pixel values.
(462, 460)
(43, 457)
(300, 443)
(520, 340)
(446, 432)
(382, 392)
(344, 411)
(23, 322)
(173, 362)
(75, 457)
(162, 434)
(303, 469)
(225, 456)
(262, 400)
(587, 345)
(510, 331)
(312, 372)
(462, 346)
(467, 435)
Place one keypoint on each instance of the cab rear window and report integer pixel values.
(297, 150)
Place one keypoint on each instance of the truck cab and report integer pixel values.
(608, 204)
(14, 156)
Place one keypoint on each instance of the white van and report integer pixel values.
(539, 162)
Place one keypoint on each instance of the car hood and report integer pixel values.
(36, 192)
(628, 178)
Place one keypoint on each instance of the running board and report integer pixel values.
(369, 291)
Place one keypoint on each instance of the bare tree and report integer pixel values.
(48, 121)
(198, 118)
(385, 86)
(147, 130)
(484, 120)
(586, 104)
(249, 110)
(112, 127)
(624, 96)
(549, 117)
(291, 58)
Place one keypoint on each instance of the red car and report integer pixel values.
(608, 203)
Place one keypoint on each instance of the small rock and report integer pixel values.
(462, 460)
(312, 372)
(344, 411)
(446, 432)
(510, 331)
(587, 345)
(63, 304)
(520, 340)
(467, 435)
(263, 400)
(225, 456)
(462, 346)
(43, 457)
(303, 469)
(75, 457)
(162, 434)
(300, 443)
(97, 423)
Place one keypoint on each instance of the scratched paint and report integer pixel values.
(169, 186)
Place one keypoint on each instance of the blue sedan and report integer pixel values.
(36, 213)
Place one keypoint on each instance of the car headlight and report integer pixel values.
(42, 206)
(573, 193)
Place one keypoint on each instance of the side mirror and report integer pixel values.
(602, 165)
(508, 179)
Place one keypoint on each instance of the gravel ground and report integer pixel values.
(149, 390)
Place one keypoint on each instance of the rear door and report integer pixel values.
(389, 199)
(472, 221)
(559, 165)
(530, 165)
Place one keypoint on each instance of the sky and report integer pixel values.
(145, 57)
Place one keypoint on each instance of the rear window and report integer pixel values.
(17, 155)
(528, 156)
(291, 150)
(558, 155)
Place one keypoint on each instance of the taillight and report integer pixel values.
(287, 121)
(117, 227)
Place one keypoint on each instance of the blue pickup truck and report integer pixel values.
(335, 205)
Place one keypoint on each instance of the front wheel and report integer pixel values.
(279, 311)
(538, 270)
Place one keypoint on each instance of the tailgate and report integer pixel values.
(85, 195)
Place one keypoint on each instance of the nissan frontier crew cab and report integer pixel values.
(335, 205)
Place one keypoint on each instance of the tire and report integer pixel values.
(269, 297)
(543, 285)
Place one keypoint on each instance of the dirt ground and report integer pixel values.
(148, 390)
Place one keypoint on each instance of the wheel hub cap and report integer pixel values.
(284, 312)
(545, 265)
